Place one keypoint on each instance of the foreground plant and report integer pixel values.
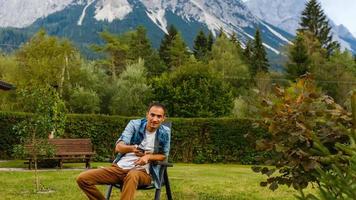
(309, 137)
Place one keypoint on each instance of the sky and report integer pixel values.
(341, 12)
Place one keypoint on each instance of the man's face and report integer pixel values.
(155, 116)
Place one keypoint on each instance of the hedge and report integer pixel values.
(199, 140)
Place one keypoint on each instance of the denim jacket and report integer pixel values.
(134, 134)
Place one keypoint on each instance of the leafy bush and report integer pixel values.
(305, 129)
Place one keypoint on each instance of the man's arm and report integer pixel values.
(149, 157)
(121, 147)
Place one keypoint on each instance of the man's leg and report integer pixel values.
(131, 181)
(107, 175)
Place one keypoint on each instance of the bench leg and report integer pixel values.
(60, 163)
(87, 163)
(30, 164)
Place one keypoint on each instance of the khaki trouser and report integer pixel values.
(111, 175)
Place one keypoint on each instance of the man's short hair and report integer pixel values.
(157, 104)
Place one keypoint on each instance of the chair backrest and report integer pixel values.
(168, 124)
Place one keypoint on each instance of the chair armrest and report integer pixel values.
(163, 163)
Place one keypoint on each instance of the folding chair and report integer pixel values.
(163, 179)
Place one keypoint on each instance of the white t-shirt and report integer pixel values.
(147, 144)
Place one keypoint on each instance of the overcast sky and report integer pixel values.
(341, 12)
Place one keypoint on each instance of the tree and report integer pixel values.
(259, 61)
(248, 52)
(116, 51)
(131, 91)
(338, 76)
(139, 45)
(48, 117)
(315, 21)
(200, 47)
(166, 44)
(298, 59)
(210, 41)
(226, 60)
(193, 90)
(177, 52)
(234, 39)
(84, 101)
(46, 60)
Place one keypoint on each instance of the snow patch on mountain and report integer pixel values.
(264, 44)
(276, 33)
(84, 12)
(112, 9)
(22, 13)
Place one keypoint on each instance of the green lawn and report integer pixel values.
(189, 182)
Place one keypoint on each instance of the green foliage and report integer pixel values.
(131, 91)
(337, 76)
(48, 118)
(305, 128)
(338, 182)
(139, 45)
(116, 52)
(193, 90)
(210, 41)
(315, 21)
(298, 59)
(46, 60)
(258, 56)
(226, 59)
(166, 44)
(177, 52)
(200, 48)
(84, 101)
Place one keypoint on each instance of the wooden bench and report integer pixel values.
(70, 149)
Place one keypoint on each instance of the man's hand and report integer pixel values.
(143, 160)
(139, 152)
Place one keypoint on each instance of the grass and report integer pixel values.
(188, 181)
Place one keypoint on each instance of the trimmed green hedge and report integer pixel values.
(199, 140)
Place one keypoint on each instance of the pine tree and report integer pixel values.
(210, 41)
(234, 39)
(166, 43)
(298, 59)
(178, 53)
(139, 44)
(259, 61)
(116, 51)
(200, 47)
(314, 20)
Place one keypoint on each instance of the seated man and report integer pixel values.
(142, 141)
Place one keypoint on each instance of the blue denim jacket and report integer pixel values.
(134, 134)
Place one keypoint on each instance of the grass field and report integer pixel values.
(188, 182)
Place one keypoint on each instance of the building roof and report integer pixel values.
(5, 86)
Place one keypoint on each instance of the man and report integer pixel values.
(143, 141)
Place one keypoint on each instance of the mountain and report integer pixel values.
(285, 14)
(82, 20)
